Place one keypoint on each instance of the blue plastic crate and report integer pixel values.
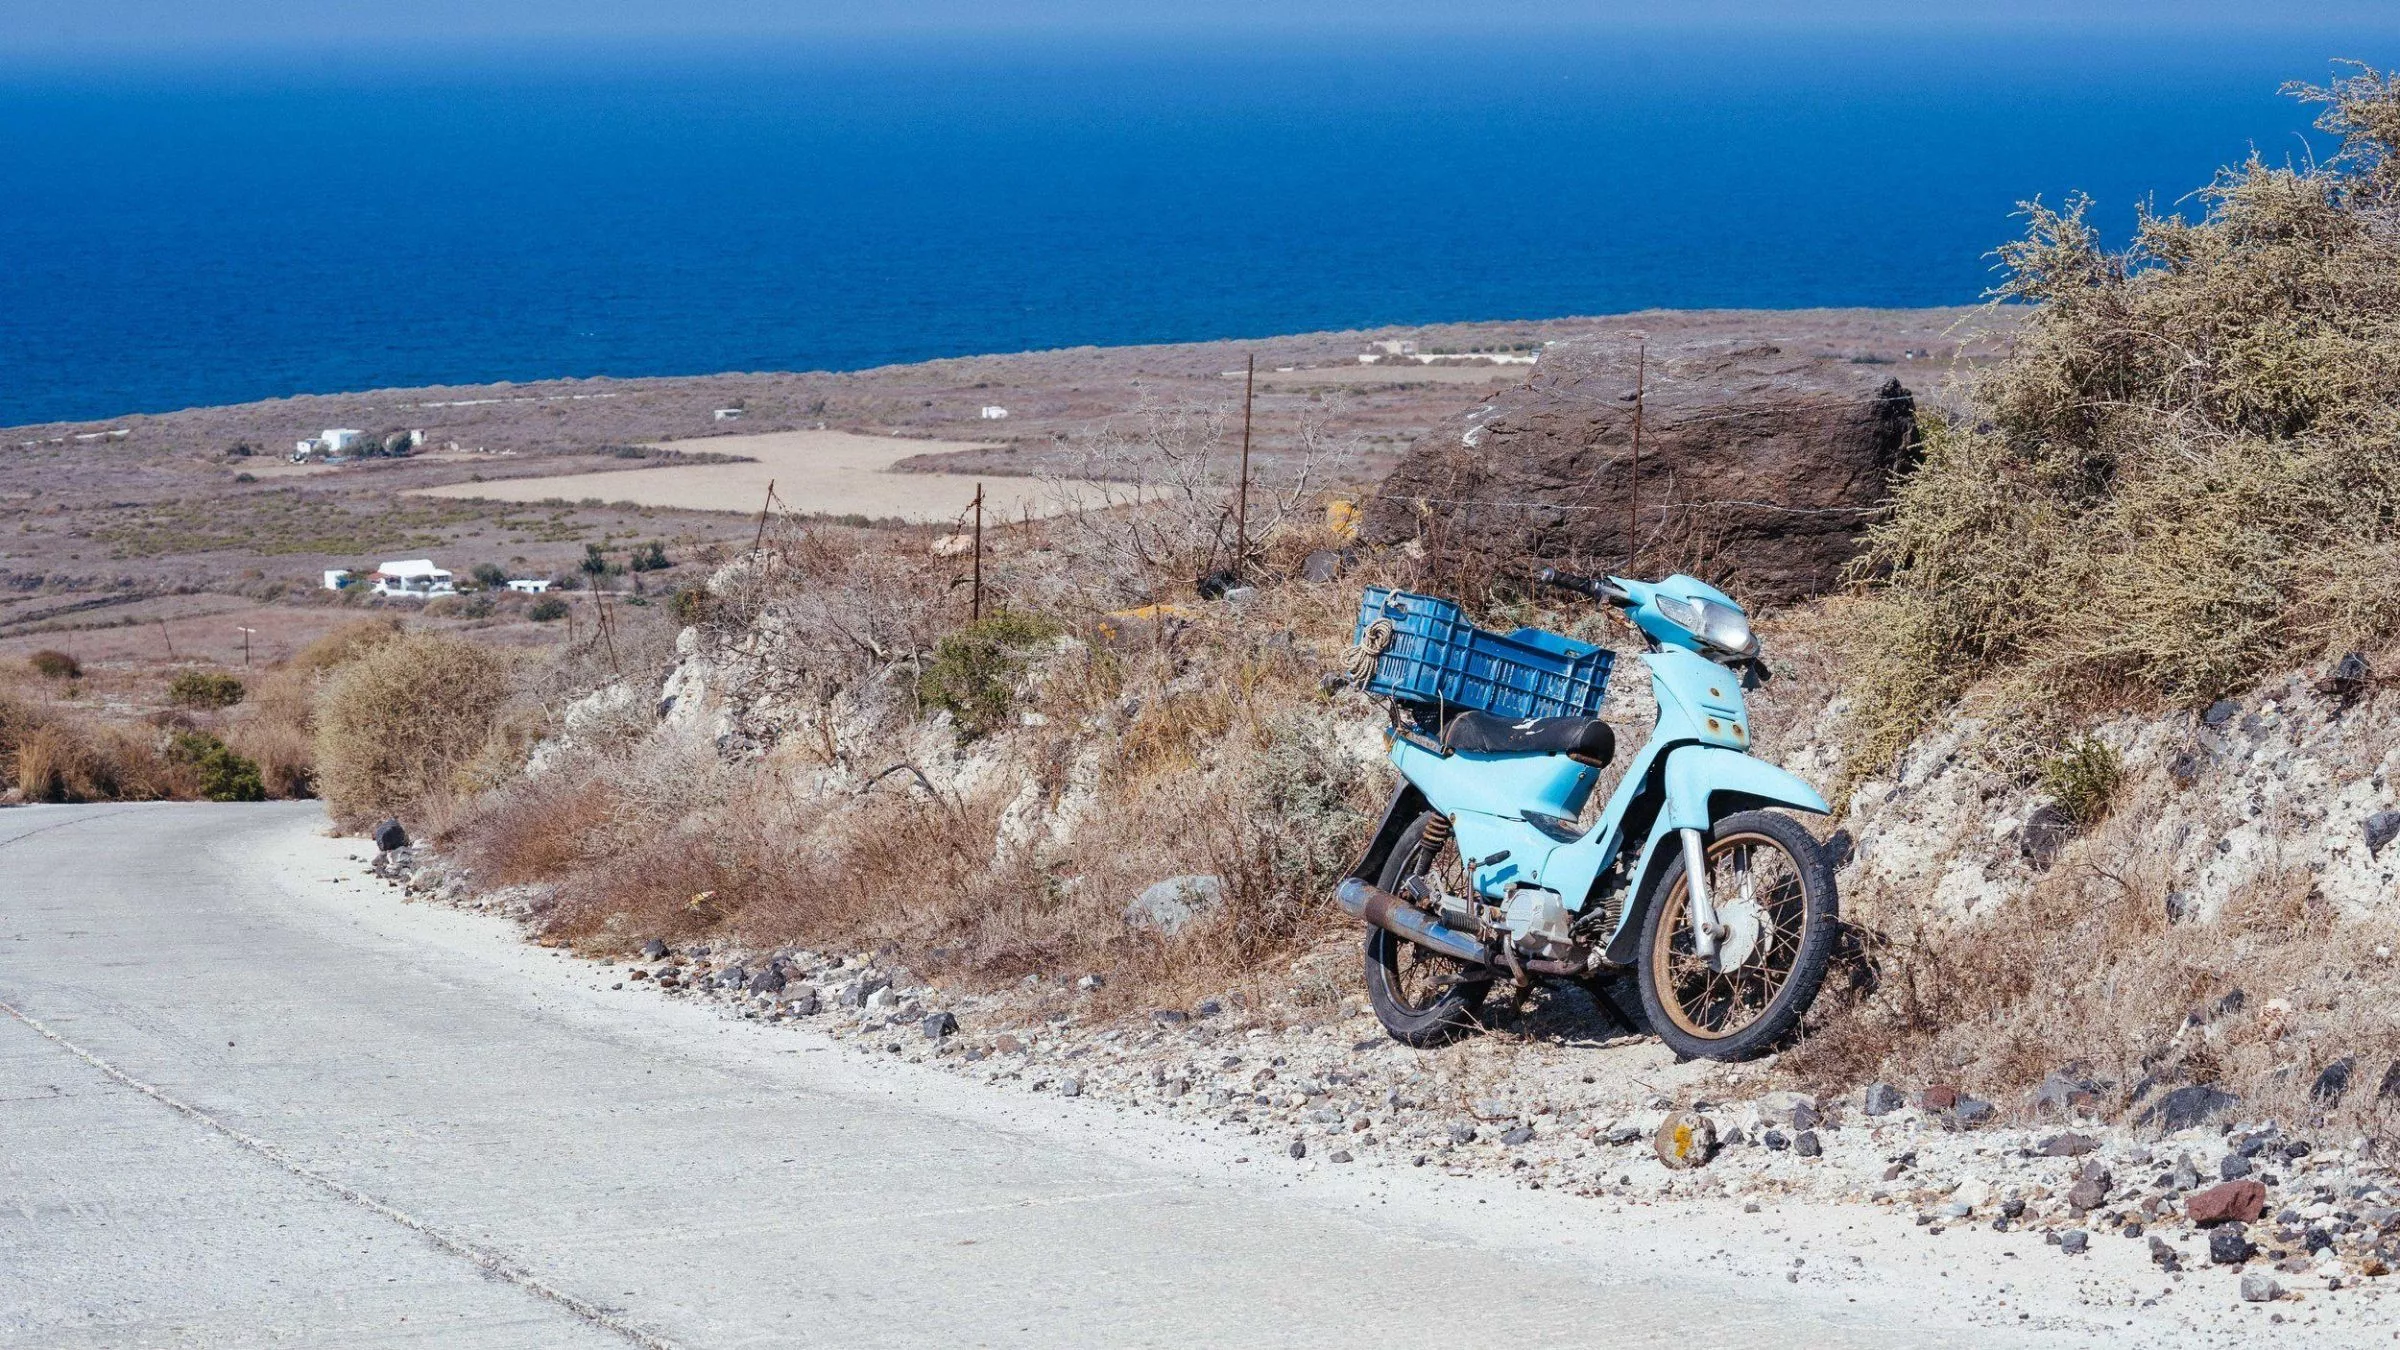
(1439, 659)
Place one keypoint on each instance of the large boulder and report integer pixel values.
(1760, 468)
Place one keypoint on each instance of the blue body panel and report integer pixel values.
(1702, 737)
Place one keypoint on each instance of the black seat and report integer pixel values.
(1587, 739)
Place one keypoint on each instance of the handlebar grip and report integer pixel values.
(1595, 588)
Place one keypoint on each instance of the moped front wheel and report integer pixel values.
(1422, 998)
(1772, 887)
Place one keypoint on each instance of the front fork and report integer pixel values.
(1706, 931)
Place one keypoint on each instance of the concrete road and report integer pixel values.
(248, 1099)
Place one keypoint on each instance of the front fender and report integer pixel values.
(1704, 782)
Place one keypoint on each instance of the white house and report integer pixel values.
(336, 578)
(413, 579)
(993, 412)
(528, 585)
(727, 415)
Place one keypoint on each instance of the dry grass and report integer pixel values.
(2088, 975)
(398, 726)
(2185, 475)
(1179, 750)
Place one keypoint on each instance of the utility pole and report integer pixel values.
(1241, 499)
(1633, 475)
(975, 611)
(760, 540)
(170, 637)
(246, 632)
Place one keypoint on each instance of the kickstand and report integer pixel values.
(1608, 1004)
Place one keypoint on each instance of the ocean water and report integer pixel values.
(216, 230)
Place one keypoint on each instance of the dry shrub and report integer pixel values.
(397, 725)
(55, 665)
(284, 753)
(65, 760)
(2186, 473)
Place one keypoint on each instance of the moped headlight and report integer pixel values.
(1725, 628)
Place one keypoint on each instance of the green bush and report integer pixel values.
(490, 576)
(2185, 473)
(2084, 781)
(548, 609)
(204, 689)
(650, 557)
(54, 665)
(973, 673)
(223, 775)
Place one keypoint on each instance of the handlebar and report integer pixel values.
(1591, 588)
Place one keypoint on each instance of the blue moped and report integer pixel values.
(1479, 872)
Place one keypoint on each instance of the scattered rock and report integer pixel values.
(2043, 834)
(1462, 1134)
(2074, 1241)
(1806, 1144)
(1008, 1045)
(1299, 1149)
(2091, 1187)
(1939, 1097)
(2067, 1145)
(802, 1001)
(1070, 1087)
(1970, 1112)
(2063, 1095)
(389, 836)
(2184, 770)
(1339, 1155)
(2189, 1107)
(1775, 1141)
(2220, 712)
(1322, 566)
(939, 1026)
(2349, 678)
(1883, 1099)
(769, 980)
(2228, 1202)
(2229, 1245)
(1170, 1017)
(2233, 1165)
(654, 950)
(1685, 1140)
(1169, 905)
(2260, 1287)
(1523, 1134)
(2382, 828)
(2164, 1256)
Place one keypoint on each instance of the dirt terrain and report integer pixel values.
(100, 520)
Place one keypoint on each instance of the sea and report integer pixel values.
(216, 228)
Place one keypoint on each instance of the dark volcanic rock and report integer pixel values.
(2186, 1107)
(1759, 466)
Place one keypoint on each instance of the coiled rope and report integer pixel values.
(1369, 650)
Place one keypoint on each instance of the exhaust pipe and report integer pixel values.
(1404, 920)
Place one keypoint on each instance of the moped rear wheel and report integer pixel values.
(1422, 998)
(1773, 891)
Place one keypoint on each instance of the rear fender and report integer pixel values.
(1704, 784)
(1399, 813)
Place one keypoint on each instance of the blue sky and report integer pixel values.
(198, 25)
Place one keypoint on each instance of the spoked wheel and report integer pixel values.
(1773, 892)
(1423, 998)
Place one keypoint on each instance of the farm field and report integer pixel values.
(833, 473)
